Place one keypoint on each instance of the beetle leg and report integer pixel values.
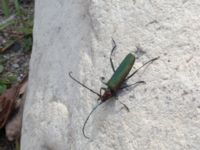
(125, 106)
(134, 84)
(111, 62)
(148, 62)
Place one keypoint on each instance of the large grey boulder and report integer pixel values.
(75, 35)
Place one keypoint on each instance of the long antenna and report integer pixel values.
(83, 85)
(83, 129)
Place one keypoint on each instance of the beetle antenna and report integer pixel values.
(83, 129)
(83, 85)
(114, 47)
(148, 62)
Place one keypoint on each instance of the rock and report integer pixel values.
(15, 65)
(76, 36)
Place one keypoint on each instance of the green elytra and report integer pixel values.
(121, 73)
(115, 83)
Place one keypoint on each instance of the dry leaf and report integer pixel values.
(8, 101)
(14, 124)
(7, 46)
(13, 127)
(23, 88)
(7, 104)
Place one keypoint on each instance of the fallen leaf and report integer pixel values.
(7, 45)
(7, 104)
(13, 127)
(23, 88)
(8, 101)
(14, 124)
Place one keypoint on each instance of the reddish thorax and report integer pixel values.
(107, 94)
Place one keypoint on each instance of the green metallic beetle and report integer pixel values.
(116, 81)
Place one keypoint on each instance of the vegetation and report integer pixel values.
(16, 24)
(16, 29)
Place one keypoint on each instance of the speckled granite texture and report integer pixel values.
(76, 36)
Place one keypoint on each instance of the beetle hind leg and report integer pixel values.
(147, 63)
(134, 84)
(125, 106)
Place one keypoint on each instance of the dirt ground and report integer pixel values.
(14, 58)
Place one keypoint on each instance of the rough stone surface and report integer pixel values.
(75, 35)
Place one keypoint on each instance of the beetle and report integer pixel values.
(116, 81)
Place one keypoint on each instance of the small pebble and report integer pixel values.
(15, 65)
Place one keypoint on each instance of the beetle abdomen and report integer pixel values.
(120, 74)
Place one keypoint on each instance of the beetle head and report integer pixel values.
(107, 94)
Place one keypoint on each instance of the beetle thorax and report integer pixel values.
(107, 94)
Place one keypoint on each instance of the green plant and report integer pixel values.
(1, 68)
(3, 88)
(19, 28)
(5, 7)
(21, 25)
(17, 7)
(6, 82)
(27, 43)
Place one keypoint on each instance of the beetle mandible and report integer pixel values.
(116, 82)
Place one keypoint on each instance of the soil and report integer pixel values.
(15, 61)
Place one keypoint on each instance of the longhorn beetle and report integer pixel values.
(116, 82)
